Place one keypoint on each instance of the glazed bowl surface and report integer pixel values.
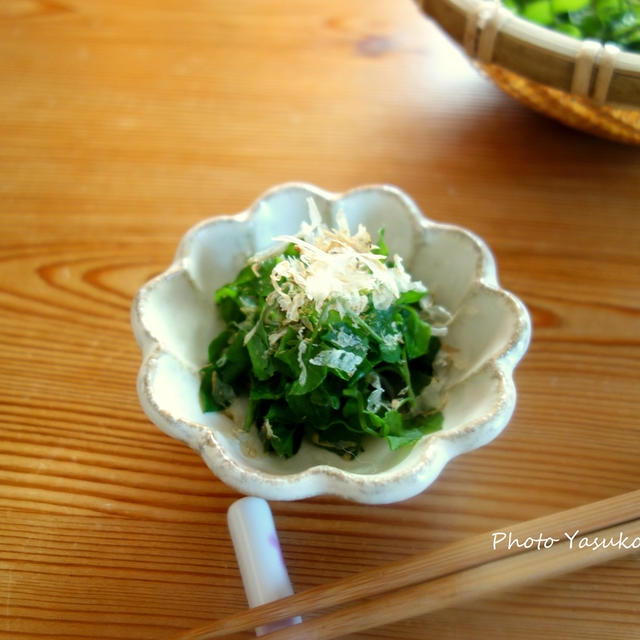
(174, 319)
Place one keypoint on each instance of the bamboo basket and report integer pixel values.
(589, 86)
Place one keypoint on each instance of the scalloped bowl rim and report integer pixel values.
(391, 485)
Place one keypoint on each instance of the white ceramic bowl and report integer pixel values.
(174, 320)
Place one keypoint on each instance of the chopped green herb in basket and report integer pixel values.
(616, 21)
(330, 341)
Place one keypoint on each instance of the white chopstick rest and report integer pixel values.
(257, 548)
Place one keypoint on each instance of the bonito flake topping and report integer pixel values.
(336, 270)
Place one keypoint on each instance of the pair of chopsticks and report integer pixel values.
(457, 573)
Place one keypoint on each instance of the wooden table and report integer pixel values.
(123, 124)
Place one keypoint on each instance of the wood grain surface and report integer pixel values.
(123, 124)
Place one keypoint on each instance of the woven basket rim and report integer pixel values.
(541, 54)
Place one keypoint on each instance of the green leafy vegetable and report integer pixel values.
(333, 364)
(616, 21)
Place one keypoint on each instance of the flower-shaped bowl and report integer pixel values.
(174, 319)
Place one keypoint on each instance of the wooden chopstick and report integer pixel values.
(450, 575)
(457, 588)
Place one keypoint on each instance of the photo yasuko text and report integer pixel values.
(575, 541)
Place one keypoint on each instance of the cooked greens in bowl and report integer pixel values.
(178, 325)
(329, 339)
